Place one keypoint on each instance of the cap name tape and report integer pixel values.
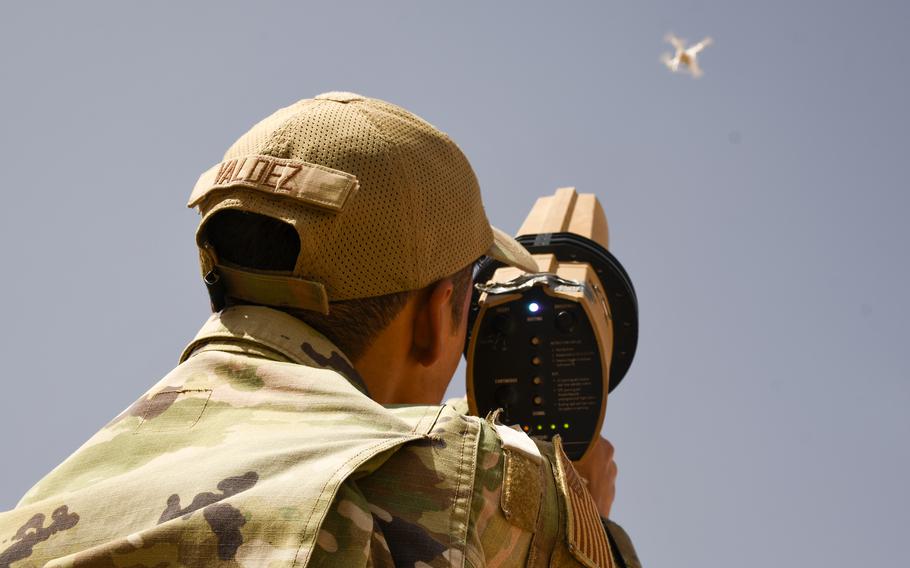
(311, 183)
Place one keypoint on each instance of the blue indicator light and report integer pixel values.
(533, 307)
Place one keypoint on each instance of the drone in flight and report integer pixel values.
(685, 58)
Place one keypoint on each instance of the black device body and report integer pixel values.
(537, 356)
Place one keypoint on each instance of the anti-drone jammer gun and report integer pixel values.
(547, 348)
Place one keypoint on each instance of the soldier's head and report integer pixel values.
(355, 216)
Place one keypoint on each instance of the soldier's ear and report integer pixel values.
(432, 322)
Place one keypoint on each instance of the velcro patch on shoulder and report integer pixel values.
(521, 489)
(585, 535)
(314, 184)
(521, 477)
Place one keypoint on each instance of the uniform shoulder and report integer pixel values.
(480, 488)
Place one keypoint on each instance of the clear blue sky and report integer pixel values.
(761, 212)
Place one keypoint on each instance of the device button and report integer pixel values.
(506, 395)
(503, 324)
(538, 400)
(535, 360)
(565, 321)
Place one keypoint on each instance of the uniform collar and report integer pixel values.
(265, 332)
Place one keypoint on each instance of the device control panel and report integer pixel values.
(537, 357)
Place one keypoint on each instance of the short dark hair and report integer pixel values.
(264, 243)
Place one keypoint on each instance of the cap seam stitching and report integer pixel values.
(410, 186)
(278, 131)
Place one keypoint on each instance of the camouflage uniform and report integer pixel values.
(262, 448)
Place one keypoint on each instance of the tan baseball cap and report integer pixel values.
(382, 201)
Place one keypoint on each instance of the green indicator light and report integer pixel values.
(539, 427)
(566, 425)
(552, 426)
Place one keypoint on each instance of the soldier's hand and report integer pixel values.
(598, 470)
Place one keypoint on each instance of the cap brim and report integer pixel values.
(507, 250)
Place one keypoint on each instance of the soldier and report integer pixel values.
(302, 426)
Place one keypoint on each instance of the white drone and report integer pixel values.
(685, 58)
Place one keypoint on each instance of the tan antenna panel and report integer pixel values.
(568, 211)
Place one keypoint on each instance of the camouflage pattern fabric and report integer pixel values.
(263, 448)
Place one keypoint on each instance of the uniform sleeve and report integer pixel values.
(624, 551)
(492, 539)
(533, 510)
